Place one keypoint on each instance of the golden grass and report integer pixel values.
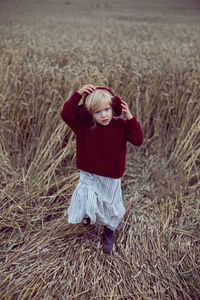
(149, 57)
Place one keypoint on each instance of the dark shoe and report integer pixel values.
(108, 239)
(86, 221)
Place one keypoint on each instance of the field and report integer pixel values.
(148, 53)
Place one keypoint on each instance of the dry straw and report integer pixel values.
(153, 64)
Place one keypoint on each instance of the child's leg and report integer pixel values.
(108, 239)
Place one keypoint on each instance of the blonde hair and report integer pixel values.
(94, 99)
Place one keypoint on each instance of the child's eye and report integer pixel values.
(108, 108)
(97, 112)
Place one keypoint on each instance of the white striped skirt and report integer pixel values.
(99, 198)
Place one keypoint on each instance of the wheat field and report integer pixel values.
(148, 53)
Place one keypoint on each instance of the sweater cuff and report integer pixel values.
(133, 122)
(76, 95)
(132, 119)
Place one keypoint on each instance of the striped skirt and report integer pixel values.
(99, 198)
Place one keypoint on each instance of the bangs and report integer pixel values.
(94, 99)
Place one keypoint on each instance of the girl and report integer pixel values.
(101, 137)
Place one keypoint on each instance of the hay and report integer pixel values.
(151, 60)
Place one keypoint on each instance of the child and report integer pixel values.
(101, 137)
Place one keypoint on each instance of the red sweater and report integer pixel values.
(101, 150)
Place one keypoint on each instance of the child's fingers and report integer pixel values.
(89, 88)
(124, 105)
(126, 110)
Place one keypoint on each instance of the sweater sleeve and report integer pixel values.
(134, 132)
(69, 114)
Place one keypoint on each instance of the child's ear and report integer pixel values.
(85, 115)
(116, 105)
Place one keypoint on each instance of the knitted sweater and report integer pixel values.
(101, 150)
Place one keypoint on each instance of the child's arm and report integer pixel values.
(126, 110)
(68, 112)
(134, 132)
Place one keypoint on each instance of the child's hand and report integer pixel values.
(126, 110)
(88, 88)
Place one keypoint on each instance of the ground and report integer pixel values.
(147, 52)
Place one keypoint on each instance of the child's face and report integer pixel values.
(103, 114)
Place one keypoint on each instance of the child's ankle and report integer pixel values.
(108, 231)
